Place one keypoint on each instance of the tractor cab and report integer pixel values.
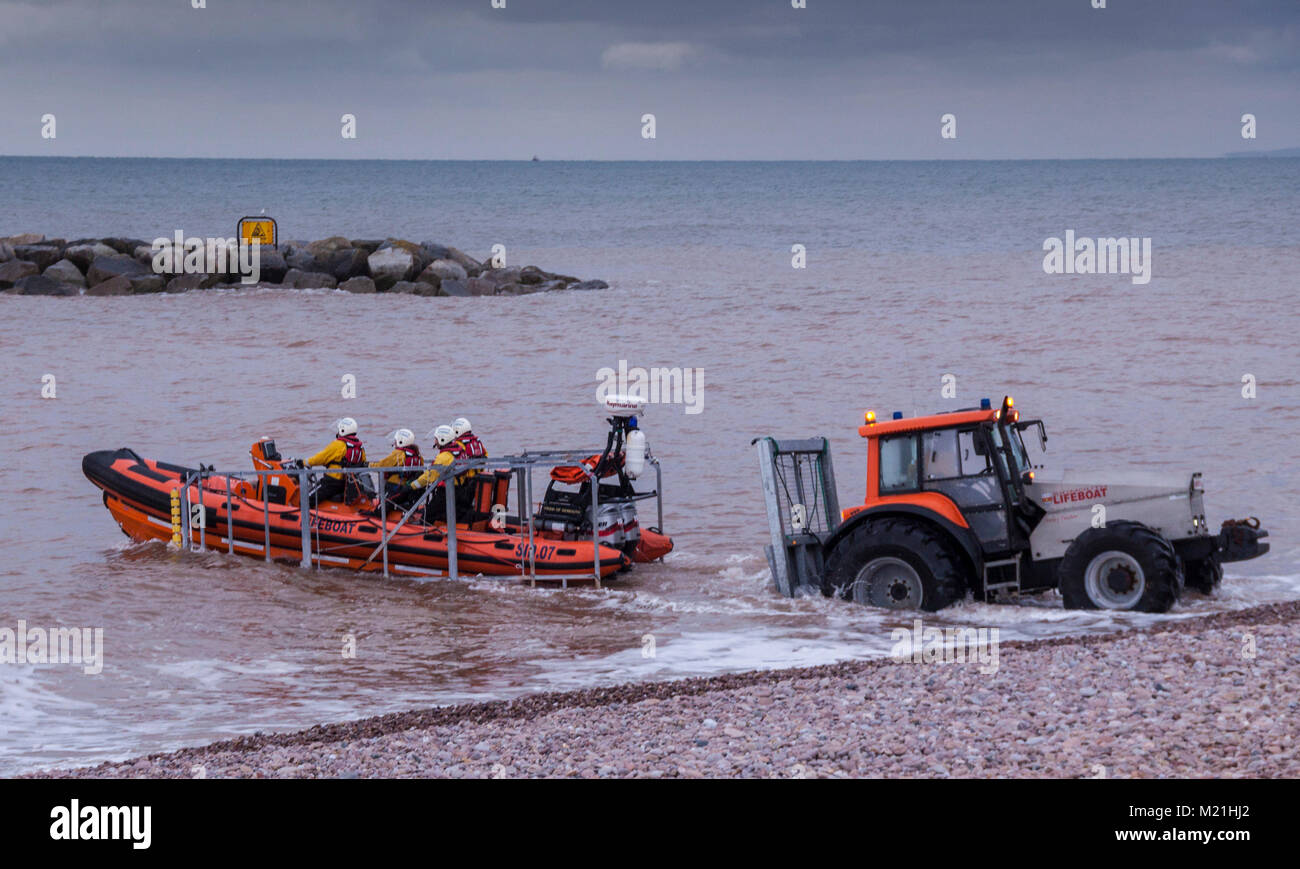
(967, 468)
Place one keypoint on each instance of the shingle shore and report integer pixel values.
(1211, 696)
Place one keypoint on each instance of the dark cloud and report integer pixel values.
(459, 78)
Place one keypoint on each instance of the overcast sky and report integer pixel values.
(726, 79)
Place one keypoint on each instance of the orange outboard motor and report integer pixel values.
(275, 488)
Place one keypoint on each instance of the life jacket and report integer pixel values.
(574, 474)
(354, 455)
(472, 446)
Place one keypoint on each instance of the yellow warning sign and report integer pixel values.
(257, 229)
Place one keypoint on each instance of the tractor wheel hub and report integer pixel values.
(1120, 580)
(1114, 580)
(888, 582)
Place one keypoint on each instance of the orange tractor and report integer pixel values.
(953, 506)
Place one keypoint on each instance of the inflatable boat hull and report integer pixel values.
(138, 493)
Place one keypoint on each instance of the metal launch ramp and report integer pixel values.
(802, 509)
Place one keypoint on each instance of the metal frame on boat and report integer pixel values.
(521, 466)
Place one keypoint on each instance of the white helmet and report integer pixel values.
(444, 434)
(460, 426)
(347, 426)
(403, 437)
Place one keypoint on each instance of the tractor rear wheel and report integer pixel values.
(896, 564)
(1204, 574)
(1123, 566)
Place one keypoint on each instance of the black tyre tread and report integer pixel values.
(894, 535)
(1164, 582)
(1204, 574)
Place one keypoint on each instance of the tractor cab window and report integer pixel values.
(971, 482)
(1016, 447)
(995, 433)
(898, 466)
(957, 463)
(940, 454)
(1018, 452)
(973, 453)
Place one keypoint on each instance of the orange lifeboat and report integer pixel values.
(265, 519)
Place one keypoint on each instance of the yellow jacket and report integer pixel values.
(429, 477)
(331, 457)
(395, 459)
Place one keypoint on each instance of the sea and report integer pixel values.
(800, 294)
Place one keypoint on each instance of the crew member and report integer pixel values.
(405, 454)
(472, 448)
(469, 441)
(345, 451)
(448, 451)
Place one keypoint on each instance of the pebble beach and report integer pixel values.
(1212, 696)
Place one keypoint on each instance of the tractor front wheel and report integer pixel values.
(1123, 566)
(895, 564)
